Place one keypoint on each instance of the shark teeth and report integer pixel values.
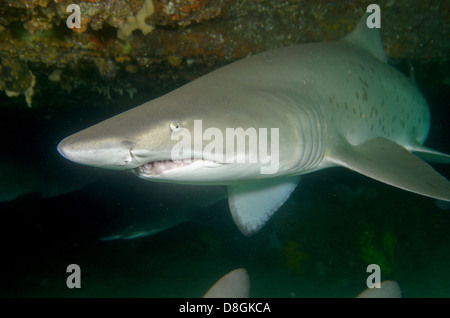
(157, 167)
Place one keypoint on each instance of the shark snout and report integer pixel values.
(97, 153)
(64, 149)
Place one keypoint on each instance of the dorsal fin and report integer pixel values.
(367, 39)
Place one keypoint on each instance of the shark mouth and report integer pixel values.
(155, 168)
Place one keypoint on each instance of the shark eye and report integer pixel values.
(174, 126)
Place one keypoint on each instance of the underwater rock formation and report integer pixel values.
(16, 79)
(137, 21)
(149, 36)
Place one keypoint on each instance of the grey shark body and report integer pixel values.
(332, 104)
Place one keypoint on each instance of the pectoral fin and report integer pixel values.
(253, 203)
(388, 162)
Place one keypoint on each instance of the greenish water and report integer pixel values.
(318, 244)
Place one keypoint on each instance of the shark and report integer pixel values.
(236, 284)
(321, 105)
(20, 178)
(194, 204)
(387, 289)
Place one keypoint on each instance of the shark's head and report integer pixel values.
(126, 141)
(194, 136)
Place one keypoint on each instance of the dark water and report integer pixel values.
(317, 245)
